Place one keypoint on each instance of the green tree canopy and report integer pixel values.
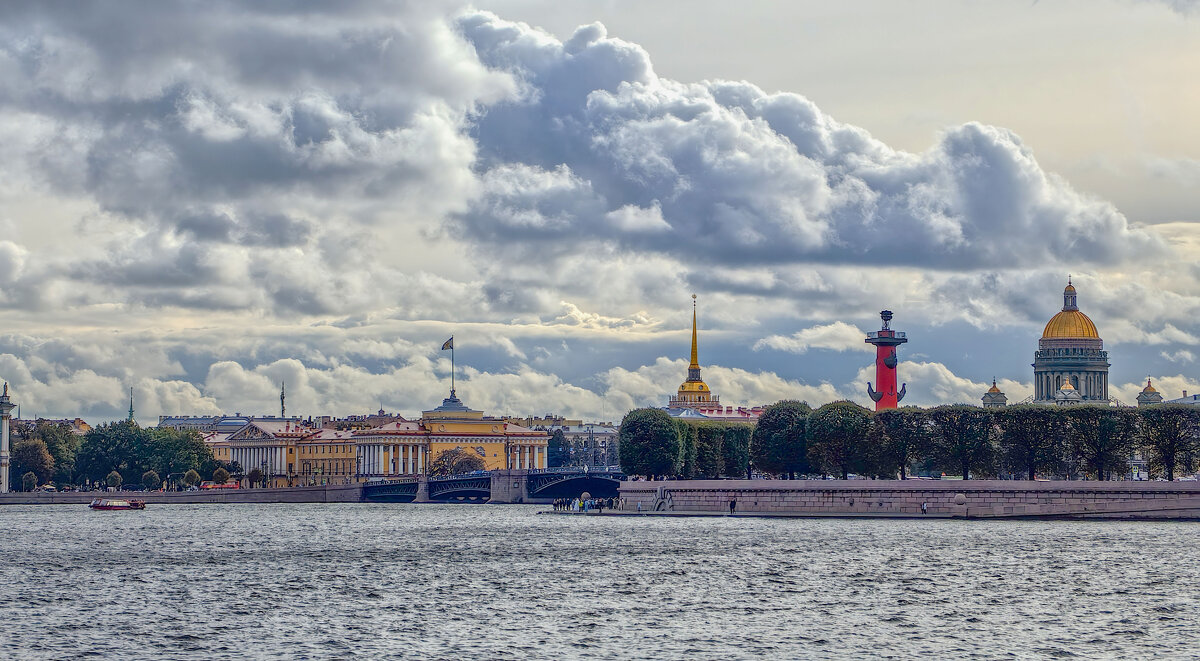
(1032, 438)
(32, 456)
(255, 476)
(557, 451)
(735, 449)
(191, 478)
(118, 446)
(687, 444)
(220, 475)
(964, 439)
(1169, 435)
(113, 479)
(1102, 438)
(29, 481)
(151, 480)
(63, 445)
(455, 461)
(710, 460)
(837, 438)
(649, 443)
(778, 443)
(899, 437)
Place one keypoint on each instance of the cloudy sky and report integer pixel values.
(201, 200)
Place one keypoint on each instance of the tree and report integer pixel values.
(31, 456)
(899, 437)
(778, 444)
(255, 476)
(191, 478)
(151, 480)
(964, 439)
(735, 449)
(1032, 438)
(710, 461)
(1101, 438)
(455, 461)
(557, 450)
(650, 443)
(220, 476)
(687, 444)
(63, 445)
(29, 481)
(1169, 435)
(113, 479)
(118, 446)
(837, 438)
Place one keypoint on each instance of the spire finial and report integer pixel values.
(130, 403)
(695, 354)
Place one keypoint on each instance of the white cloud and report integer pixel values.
(838, 336)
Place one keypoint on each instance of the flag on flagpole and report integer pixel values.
(448, 344)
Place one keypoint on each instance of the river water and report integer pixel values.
(480, 581)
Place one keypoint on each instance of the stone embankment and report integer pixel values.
(917, 498)
(350, 493)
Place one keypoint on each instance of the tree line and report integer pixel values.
(839, 439)
(113, 454)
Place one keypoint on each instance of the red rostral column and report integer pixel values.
(886, 340)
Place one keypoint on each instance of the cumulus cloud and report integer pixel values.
(739, 176)
(838, 336)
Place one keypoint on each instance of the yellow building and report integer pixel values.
(325, 456)
(219, 444)
(269, 446)
(501, 444)
(396, 448)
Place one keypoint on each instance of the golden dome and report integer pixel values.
(1149, 388)
(693, 386)
(1067, 386)
(1070, 324)
(994, 388)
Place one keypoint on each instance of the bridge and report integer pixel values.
(504, 486)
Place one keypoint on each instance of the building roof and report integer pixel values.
(1070, 323)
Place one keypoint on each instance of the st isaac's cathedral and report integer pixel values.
(1070, 356)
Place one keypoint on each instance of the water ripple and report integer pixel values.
(375, 581)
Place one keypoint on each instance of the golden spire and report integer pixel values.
(695, 355)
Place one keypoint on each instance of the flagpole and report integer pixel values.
(452, 368)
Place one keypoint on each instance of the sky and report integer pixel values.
(201, 201)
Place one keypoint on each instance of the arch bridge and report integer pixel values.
(504, 486)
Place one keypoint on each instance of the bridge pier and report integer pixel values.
(510, 486)
(422, 489)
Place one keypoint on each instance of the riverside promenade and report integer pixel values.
(916, 498)
(349, 493)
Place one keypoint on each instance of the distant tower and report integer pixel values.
(1149, 396)
(886, 340)
(131, 405)
(6, 407)
(694, 393)
(282, 400)
(1070, 351)
(994, 398)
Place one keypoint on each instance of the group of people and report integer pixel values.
(585, 504)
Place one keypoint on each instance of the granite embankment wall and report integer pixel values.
(350, 493)
(903, 498)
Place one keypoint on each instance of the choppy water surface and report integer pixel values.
(339, 581)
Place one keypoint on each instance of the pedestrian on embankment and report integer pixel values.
(732, 506)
